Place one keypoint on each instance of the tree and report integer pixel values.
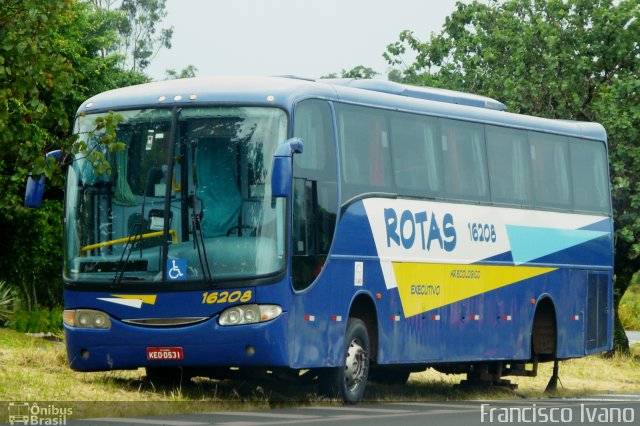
(35, 77)
(359, 72)
(566, 59)
(395, 75)
(138, 40)
(142, 42)
(92, 42)
(51, 58)
(187, 72)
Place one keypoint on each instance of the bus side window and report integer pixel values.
(315, 191)
(366, 151)
(509, 171)
(463, 152)
(550, 168)
(415, 154)
(589, 175)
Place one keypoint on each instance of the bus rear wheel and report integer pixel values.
(349, 381)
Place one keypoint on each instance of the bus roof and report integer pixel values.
(284, 92)
(428, 93)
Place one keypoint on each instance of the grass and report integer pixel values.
(583, 376)
(33, 369)
(629, 309)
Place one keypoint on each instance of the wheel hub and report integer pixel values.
(356, 364)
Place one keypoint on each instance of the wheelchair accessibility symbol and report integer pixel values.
(177, 269)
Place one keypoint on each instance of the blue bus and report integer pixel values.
(338, 230)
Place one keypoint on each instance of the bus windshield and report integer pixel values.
(188, 198)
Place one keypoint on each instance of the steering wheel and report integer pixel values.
(253, 230)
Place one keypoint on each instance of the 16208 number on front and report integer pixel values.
(209, 298)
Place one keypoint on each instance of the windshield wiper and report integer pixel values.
(128, 247)
(198, 237)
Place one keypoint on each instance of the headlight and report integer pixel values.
(86, 318)
(249, 314)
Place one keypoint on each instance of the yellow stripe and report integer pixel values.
(146, 298)
(425, 286)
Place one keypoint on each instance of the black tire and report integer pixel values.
(389, 375)
(349, 381)
(167, 376)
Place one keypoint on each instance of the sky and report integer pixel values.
(306, 38)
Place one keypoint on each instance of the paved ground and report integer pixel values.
(634, 337)
(605, 409)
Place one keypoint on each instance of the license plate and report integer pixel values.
(165, 354)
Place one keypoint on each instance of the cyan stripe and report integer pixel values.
(529, 243)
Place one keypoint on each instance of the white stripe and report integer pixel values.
(388, 274)
(622, 395)
(133, 303)
(156, 421)
(360, 410)
(388, 414)
(275, 415)
(603, 399)
(436, 405)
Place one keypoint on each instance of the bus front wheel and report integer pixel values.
(348, 382)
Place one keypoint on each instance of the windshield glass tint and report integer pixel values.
(214, 206)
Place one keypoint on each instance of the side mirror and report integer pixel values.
(35, 188)
(282, 172)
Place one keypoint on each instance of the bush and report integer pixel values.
(629, 309)
(31, 255)
(6, 302)
(40, 320)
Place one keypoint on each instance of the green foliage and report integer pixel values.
(41, 320)
(629, 309)
(395, 75)
(31, 260)
(53, 55)
(6, 302)
(359, 72)
(141, 41)
(93, 46)
(104, 134)
(35, 76)
(187, 72)
(566, 59)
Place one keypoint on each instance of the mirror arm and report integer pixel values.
(290, 147)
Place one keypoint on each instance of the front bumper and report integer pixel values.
(206, 344)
